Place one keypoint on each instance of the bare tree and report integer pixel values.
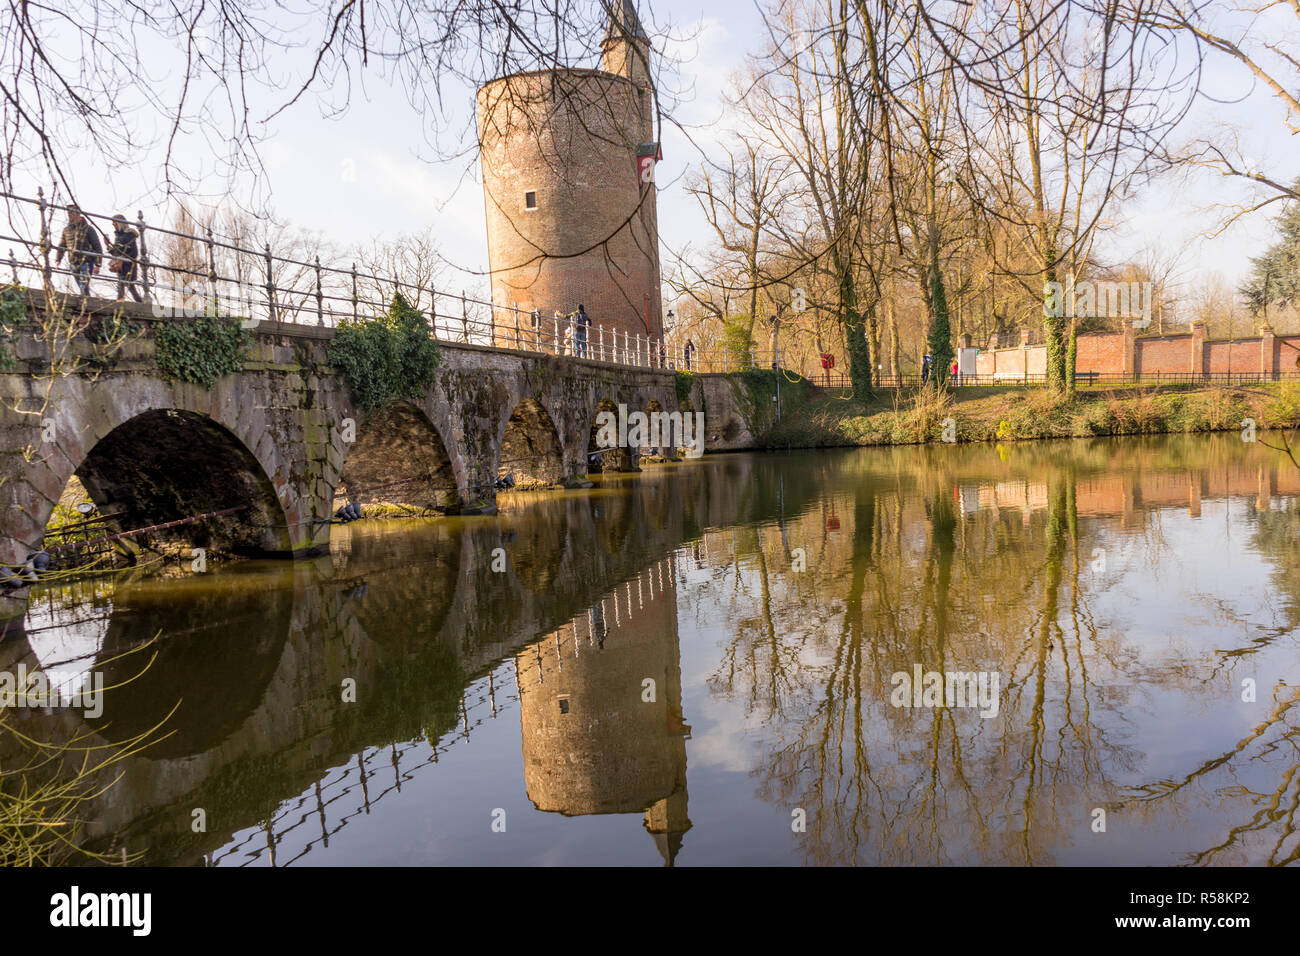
(411, 263)
(1074, 102)
(1263, 41)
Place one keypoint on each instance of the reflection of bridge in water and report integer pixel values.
(416, 616)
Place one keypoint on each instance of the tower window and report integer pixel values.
(564, 704)
(530, 200)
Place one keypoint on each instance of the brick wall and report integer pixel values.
(1100, 353)
(1188, 353)
(1239, 356)
(1171, 353)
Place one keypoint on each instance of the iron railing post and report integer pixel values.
(144, 254)
(464, 317)
(270, 283)
(355, 315)
(212, 272)
(45, 237)
(320, 297)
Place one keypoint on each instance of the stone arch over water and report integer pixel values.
(169, 464)
(530, 446)
(399, 457)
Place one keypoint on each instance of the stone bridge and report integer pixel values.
(284, 438)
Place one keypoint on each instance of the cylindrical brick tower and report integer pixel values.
(570, 220)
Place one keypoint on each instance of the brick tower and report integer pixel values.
(570, 208)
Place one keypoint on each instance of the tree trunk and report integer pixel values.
(873, 341)
(892, 319)
(940, 340)
(855, 338)
(1071, 352)
(1054, 327)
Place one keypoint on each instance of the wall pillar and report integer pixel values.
(1197, 357)
(1129, 349)
(1267, 352)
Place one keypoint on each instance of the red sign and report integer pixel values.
(647, 154)
(828, 360)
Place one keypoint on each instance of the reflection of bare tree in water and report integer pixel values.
(937, 784)
(1262, 770)
(1271, 751)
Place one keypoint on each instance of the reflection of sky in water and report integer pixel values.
(65, 643)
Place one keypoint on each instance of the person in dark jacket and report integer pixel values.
(81, 243)
(581, 323)
(124, 253)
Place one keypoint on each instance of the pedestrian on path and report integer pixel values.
(124, 258)
(81, 244)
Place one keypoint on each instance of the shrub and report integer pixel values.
(202, 350)
(1284, 408)
(387, 358)
(13, 311)
(685, 381)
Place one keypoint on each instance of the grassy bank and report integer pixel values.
(909, 417)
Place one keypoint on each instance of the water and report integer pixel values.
(697, 665)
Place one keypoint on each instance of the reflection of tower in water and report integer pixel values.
(601, 709)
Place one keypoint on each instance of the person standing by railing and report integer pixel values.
(124, 256)
(688, 354)
(81, 244)
(582, 322)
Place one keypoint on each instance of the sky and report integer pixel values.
(369, 175)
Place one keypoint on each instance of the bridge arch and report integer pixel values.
(529, 446)
(606, 459)
(167, 464)
(399, 458)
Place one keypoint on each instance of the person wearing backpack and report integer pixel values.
(81, 244)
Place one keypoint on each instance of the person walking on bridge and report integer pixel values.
(124, 258)
(81, 244)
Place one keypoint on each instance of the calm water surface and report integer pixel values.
(684, 665)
